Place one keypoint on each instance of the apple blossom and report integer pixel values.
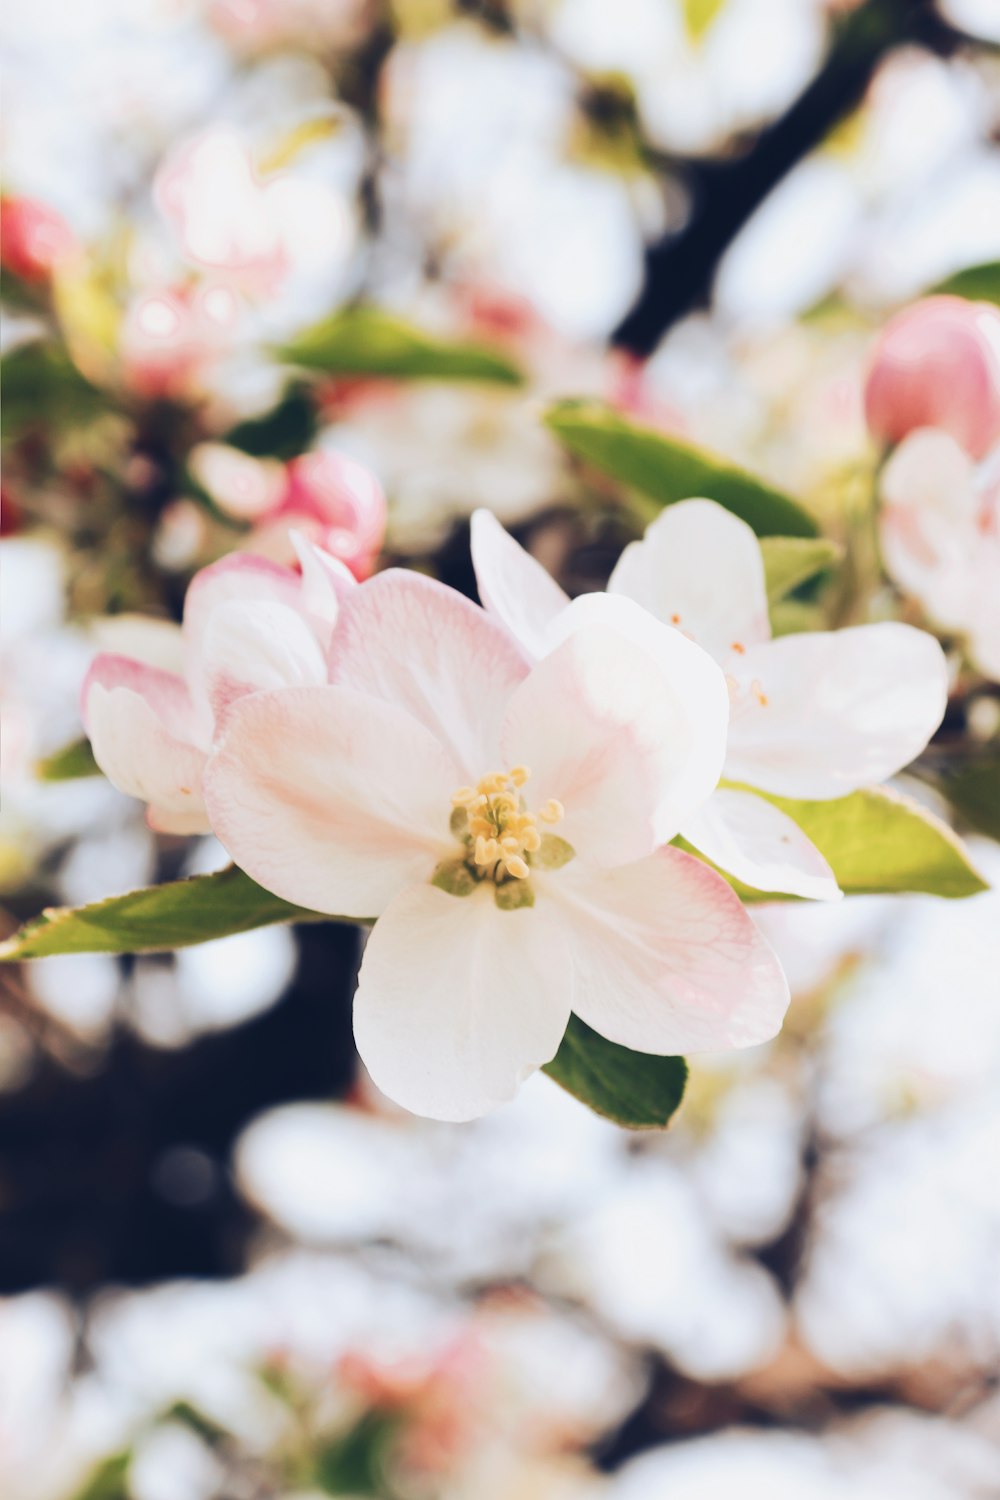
(940, 534)
(506, 824)
(813, 716)
(171, 337)
(937, 364)
(248, 624)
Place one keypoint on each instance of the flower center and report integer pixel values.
(500, 833)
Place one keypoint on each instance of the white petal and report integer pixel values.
(412, 641)
(760, 845)
(458, 1002)
(666, 959)
(689, 703)
(699, 568)
(330, 799)
(822, 714)
(255, 647)
(513, 585)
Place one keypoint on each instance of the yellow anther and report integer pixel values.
(552, 811)
(758, 692)
(480, 827)
(505, 801)
(519, 775)
(494, 782)
(487, 851)
(531, 840)
(463, 796)
(516, 866)
(479, 802)
(510, 844)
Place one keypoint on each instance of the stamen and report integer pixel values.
(531, 840)
(759, 692)
(519, 775)
(552, 811)
(463, 797)
(516, 866)
(738, 647)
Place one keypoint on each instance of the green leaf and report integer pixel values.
(975, 794)
(284, 432)
(879, 842)
(978, 283)
(634, 1089)
(790, 560)
(666, 469)
(68, 764)
(699, 15)
(109, 1481)
(367, 341)
(42, 387)
(156, 919)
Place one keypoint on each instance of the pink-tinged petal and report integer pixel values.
(326, 581)
(937, 364)
(330, 799)
(240, 576)
(166, 693)
(157, 643)
(255, 647)
(820, 715)
(760, 845)
(513, 585)
(665, 958)
(139, 755)
(689, 701)
(699, 568)
(181, 824)
(458, 1002)
(414, 642)
(929, 523)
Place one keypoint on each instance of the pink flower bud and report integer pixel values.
(937, 364)
(170, 337)
(340, 504)
(35, 239)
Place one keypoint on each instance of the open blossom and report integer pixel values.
(940, 534)
(937, 364)
(507, 825)
(248, 625)
(812, 716)
(324, 495)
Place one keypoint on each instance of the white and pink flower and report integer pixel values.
(812, 716)
(36, 241)
(248, 625)
(507, 825)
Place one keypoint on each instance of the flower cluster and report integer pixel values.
(389, 750)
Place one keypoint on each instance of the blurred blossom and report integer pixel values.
(940, 534)
(170, 339)
(694, 92)
(35, 241)
(259, 25)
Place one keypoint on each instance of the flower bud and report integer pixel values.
(35, 240)
(937, 364)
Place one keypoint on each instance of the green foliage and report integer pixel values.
(367, 341)
(634, 1089)
(284, 432)
(42, 388)
(156, 919)
(69, 764)
(355, 1463)
(109, 1481)
(877, 843)
(975, 795)
(791, 560)
(665, 469)
(978, 283)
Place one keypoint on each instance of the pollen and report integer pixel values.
(759, 692)
(500, 833)
(739, 648)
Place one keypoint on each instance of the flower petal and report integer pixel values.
(458, 1002)
(255, 647)
(699, 568)
(414, 642)
(666, 959)
(330, 799)
(823, 714)
(686, 707)
(513, 585)
(760, 845)
(139, 719)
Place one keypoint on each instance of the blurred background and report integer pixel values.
(229, 1270)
